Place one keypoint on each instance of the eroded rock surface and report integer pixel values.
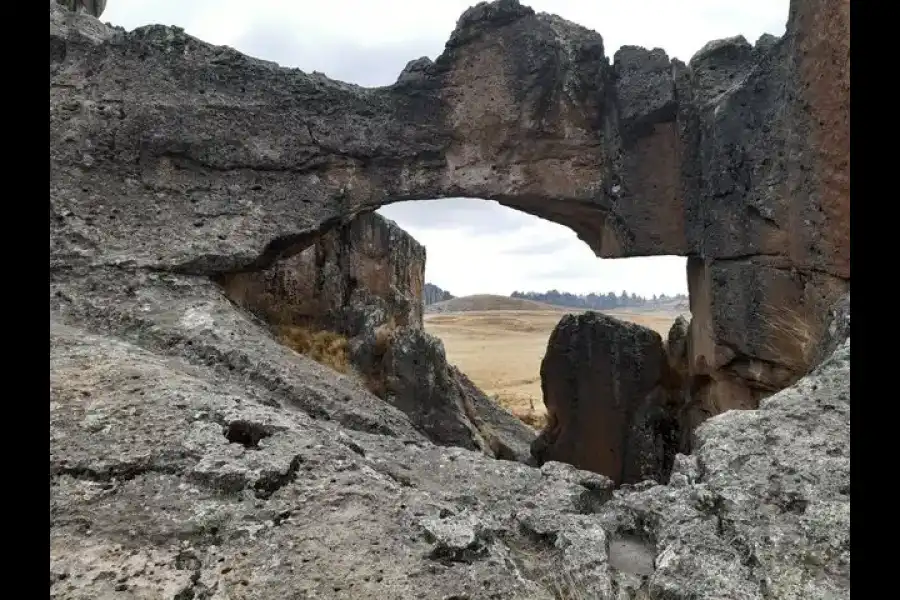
(609, 398)
(179, 471)
(94, 8)
(364, 280)
(360, 275)
(409, 369)
(738, 159)
(837, 329)
(762, 508)
(192, 455)
(170, 479)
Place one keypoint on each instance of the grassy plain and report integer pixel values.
(501, 350)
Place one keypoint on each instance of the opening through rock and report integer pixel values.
(361, 300)
(608, 361)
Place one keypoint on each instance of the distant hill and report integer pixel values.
(607, 301)
(484, 302)
(434, 294)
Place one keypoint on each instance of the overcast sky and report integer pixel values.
(474, 246)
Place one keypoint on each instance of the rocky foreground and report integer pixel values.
(193, 456)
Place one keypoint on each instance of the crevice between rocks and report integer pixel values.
(269, 484)
(116, 472)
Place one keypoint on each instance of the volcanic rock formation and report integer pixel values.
(364, 279)
(192, 455)
(738, 160)
(612, 406)
(354, 278)
(92, 7)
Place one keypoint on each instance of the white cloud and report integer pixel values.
(466, 262)
(681, 28)
(473, 246)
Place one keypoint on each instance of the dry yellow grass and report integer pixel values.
(325, 347)
(794, 334)
(501, 350)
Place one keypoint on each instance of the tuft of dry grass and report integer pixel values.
(375, 379)
(523, 408)
(793, 336)
(325, 347)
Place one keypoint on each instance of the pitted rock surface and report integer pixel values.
(611, 406)
(208, 161)
(365, 280)
(170, 476)
(354, 278)
(766, 496)
(192, 456)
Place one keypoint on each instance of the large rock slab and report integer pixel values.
(190, 317)
(365, 280)
(211, 162)
(408, 368)
(360, 275)
(171, 479)
(762, 508)
(607, 390)
(178, 469)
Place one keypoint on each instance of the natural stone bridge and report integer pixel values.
(208, 161)
(194, 456)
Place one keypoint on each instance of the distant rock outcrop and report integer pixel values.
(434, 294)
(608, 393)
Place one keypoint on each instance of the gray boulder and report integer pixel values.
(606, 387)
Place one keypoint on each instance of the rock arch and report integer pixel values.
(171, 154)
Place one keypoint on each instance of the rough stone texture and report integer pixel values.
(365, 279)
(739, 159)
(762, 509)
(507, 437)
(192, 456)
(171, 473)
(170, 479)
(358, 276)
(409, 369)
(685, 390)
(94, 8)
(607, 392)
(837, 329)
(755, 323)
(190, 317)
(677, 350)
(768, 198)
